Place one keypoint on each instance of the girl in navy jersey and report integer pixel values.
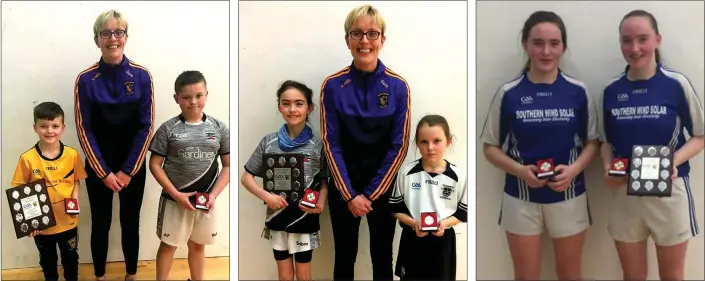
(429, 185)
(646, 83)
(293, 230)
(543, 115)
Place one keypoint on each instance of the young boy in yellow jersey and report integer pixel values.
(60, 167)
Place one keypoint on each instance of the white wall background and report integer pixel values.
(305, 42)
(593, 56)
(46, 44)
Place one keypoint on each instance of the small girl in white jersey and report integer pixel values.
(429, 185)
(293, 229)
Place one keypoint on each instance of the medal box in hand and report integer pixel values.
(71, 206)
(429, 222)
(545, 168)
(200, 201)
(310, 198)
(619, 166)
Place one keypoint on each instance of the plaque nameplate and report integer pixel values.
(30, 208)
(651, 171)
(284, 175)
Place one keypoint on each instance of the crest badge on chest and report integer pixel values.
(383, 100)
(210, 136)
(129, 87)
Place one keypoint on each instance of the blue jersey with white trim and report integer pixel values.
(539, 121)
(655, 111)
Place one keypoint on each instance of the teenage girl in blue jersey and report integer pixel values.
(646, 82)
(543, 114)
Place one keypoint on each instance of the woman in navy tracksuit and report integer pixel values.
(365, 114)
(114, 109)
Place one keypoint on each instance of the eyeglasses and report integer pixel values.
(371, 35)
(106, 34)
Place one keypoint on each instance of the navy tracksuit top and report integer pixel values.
(114, 113)
(365, 127)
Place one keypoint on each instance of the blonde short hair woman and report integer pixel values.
(113, 103)
(365, 123)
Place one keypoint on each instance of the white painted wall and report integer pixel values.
(44, 48)
(305, 42)
(593, 57)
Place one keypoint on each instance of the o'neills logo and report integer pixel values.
(196, 153)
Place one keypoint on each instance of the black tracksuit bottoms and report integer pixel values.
(346, 228)
(101, 201)
(48, 259)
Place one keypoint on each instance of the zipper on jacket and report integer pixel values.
(115, 93)
(113, 73)
(364, 87)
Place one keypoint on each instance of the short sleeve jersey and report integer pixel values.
(191, 151)
(60, 174)
(539, 121)
(292, 219)
(417, 191)
(656, 111)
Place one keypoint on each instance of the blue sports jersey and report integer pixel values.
(650, 112)
(539, 121)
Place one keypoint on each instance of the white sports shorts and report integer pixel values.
(561, 219)
(294, 242)
(668, 220)
(176, 225)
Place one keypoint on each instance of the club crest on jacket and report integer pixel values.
(383, 100)
(129, 87)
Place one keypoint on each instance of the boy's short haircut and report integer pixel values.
(48, 111)
(189, 77)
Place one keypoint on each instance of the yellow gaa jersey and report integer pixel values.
(59, 173)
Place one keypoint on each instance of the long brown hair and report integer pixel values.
(541, 17)
(652, 20)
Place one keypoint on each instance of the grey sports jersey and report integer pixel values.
(191, 151)
(292, 219)
(270, 144)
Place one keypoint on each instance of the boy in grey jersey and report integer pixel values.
(185, 152)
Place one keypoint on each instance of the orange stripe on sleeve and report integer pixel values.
(332, 165)
(82, 136)
(386, 181)
(145, 147)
